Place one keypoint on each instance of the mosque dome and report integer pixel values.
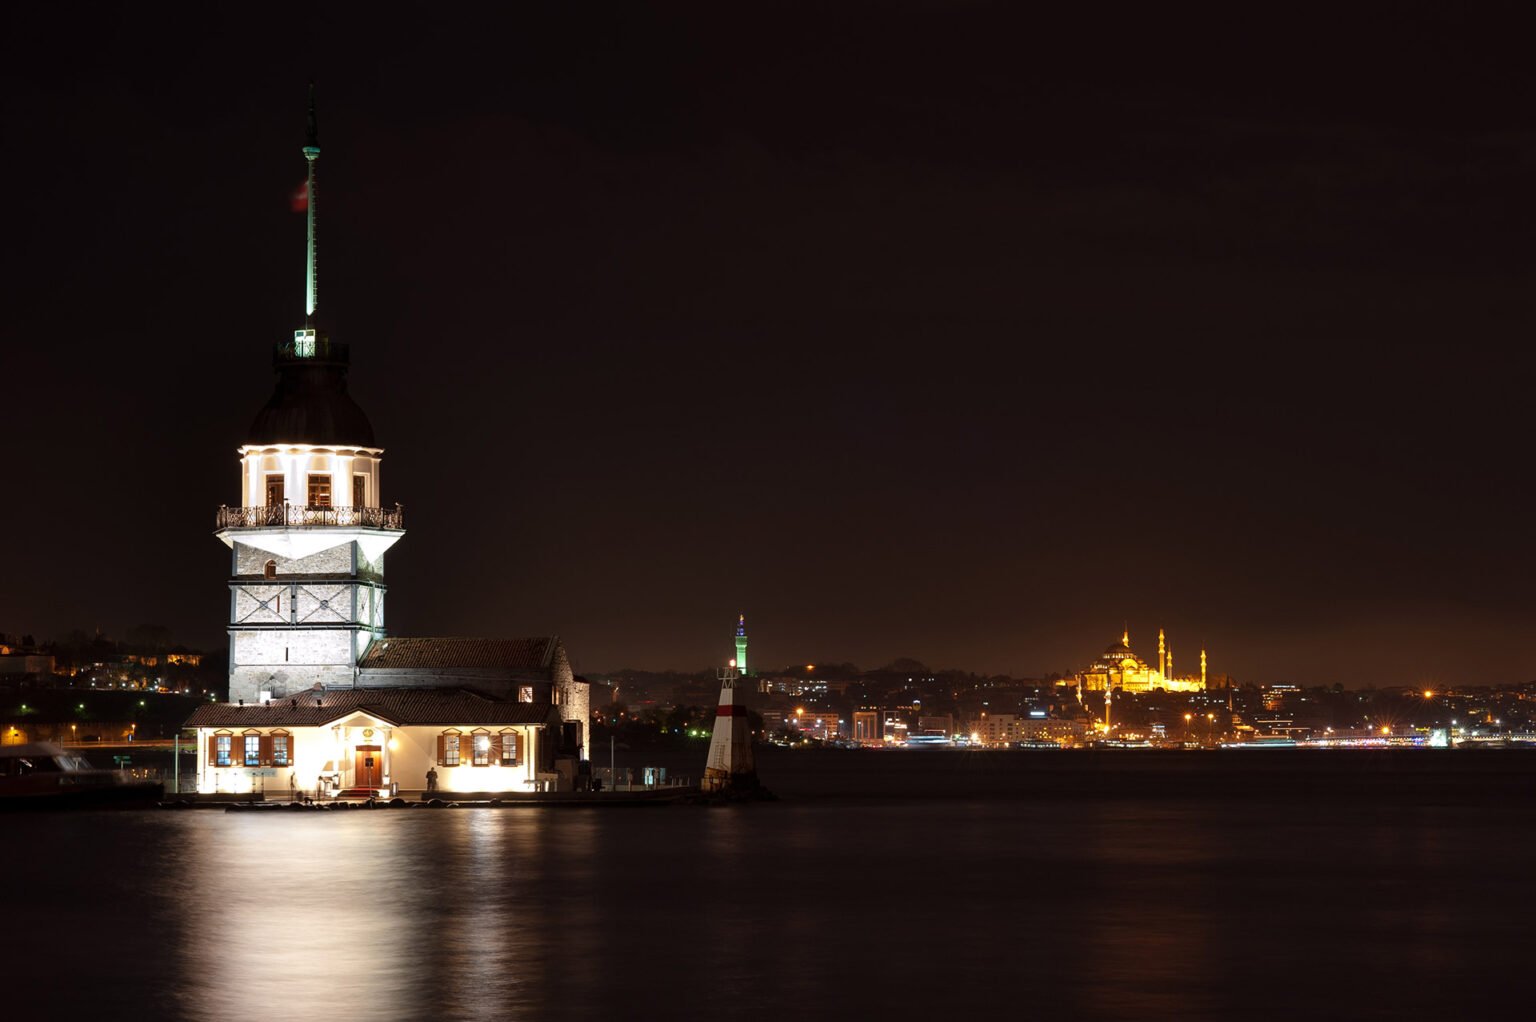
(1116, 654)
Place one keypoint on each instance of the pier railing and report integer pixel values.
(270, 516)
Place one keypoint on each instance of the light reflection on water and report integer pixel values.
(1218, 907)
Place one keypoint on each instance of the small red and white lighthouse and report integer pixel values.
(730, 766)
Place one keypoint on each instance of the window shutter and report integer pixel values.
(442, 750)
(266, 750)
(517, 748)
(495, 755)
(213, 751)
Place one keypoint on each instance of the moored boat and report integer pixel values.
(41, 775)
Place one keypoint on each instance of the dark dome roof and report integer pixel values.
(311, 406)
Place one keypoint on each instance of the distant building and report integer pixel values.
(817, 724)
(1052, 730)
(866, 727)
(944, 726)
(1274, 695)
(993, 729)
(26, 663)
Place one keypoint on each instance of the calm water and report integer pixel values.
(1218, 885)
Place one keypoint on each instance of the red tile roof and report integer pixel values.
(444, 706)
(454, 652)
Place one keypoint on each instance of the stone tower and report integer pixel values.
(309, 536)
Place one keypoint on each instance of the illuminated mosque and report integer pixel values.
(1119, 667)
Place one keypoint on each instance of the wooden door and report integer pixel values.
(369, 772)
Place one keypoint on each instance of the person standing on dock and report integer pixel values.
(432, 778)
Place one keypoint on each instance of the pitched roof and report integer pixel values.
(445, 706)
(454, 652)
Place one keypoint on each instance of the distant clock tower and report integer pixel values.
(309, 537)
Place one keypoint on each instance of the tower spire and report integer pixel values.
(311, 185)
(741, 645)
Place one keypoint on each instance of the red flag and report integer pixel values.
(299, 201)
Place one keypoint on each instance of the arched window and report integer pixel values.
(270, 570)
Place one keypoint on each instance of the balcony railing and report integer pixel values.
(312, 348)
(282, 515)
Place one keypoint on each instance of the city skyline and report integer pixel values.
(903, 342)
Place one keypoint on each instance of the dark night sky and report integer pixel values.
(929, 330)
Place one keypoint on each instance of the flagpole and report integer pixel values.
(311, 267)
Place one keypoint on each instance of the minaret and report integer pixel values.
(1202, 670)
(309, 535)
(1169, 675)
(1162, 655)
(741, 646)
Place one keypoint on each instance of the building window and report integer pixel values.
(270, 571)
(221, 749)
(274, 490)
(319, 490)
(282, 750)
(448, 750)
(525, 693)
(252, 750)
(481, 744)
(508, 748)
(359, 491)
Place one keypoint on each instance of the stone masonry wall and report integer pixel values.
(336, 560)
(288, 660)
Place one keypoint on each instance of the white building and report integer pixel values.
(369, 742)
(317, 688)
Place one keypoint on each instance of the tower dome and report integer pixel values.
(311, 404)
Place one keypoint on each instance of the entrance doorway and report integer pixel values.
(369, 772)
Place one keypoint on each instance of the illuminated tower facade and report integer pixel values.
(309, 535)
(741, 645)
(1162, 654)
